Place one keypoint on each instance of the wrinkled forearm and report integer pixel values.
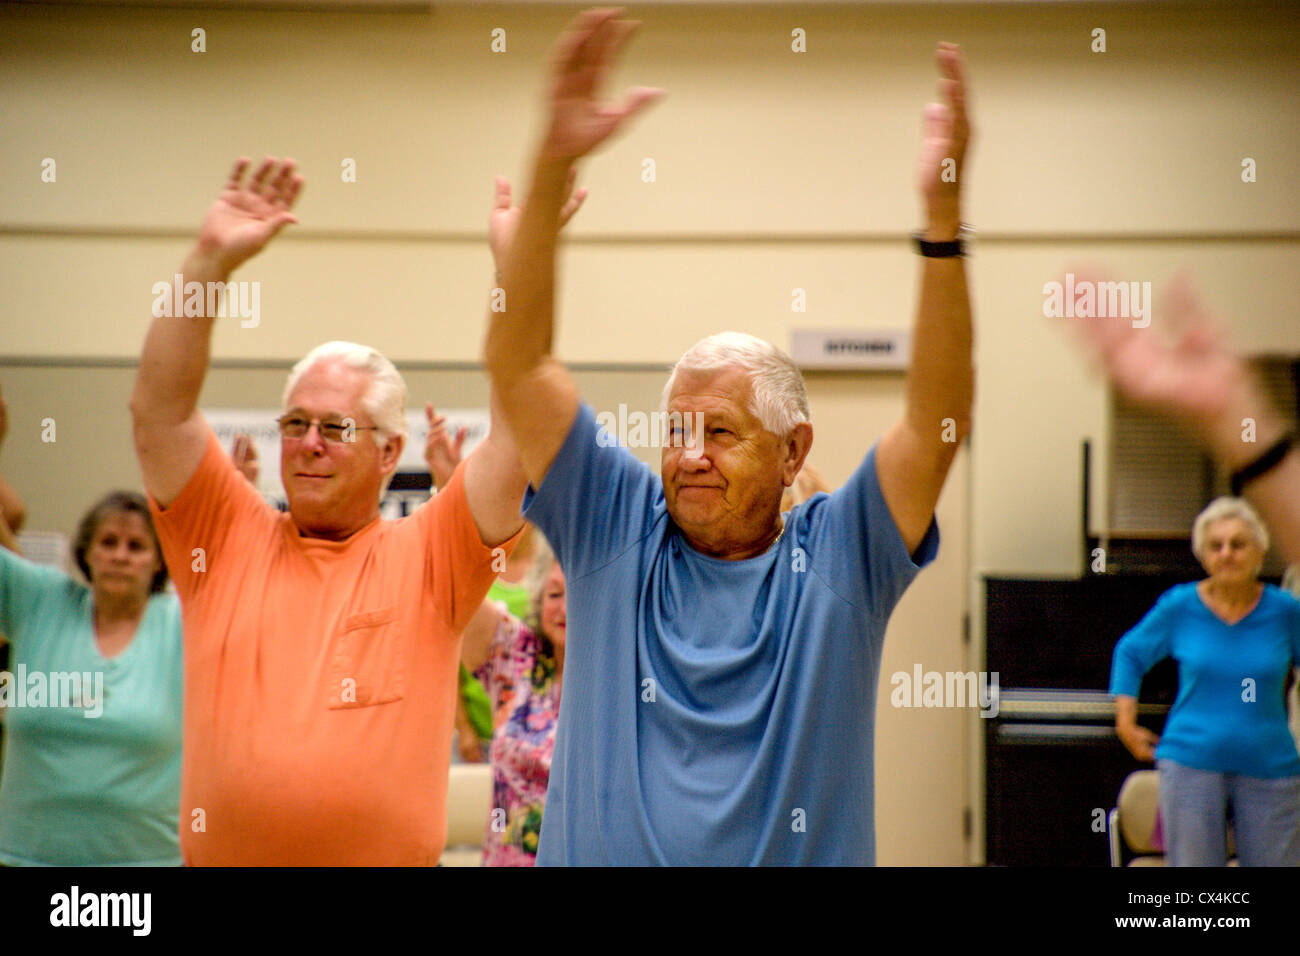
(941, 378)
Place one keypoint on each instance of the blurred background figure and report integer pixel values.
(96, 783)
(94, 780)
(807, 483)
(1226, 749)
(521, 663)
(442, 453)
(243, 454)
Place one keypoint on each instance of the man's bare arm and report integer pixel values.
(494, 476)
(914, 456)
(170, 434)
(495, 481)
(539, 399)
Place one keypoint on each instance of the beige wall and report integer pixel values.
(774, 171)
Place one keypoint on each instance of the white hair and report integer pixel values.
(1226, 507)
(535, 580)
(384, 399)
(1291, 579)
(777, 398)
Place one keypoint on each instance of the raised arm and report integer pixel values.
(494, 475)
(170, 434)
(914, 456)
(477, 639)
(1198, 383)
(538, 397)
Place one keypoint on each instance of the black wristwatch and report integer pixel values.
(944, 250)
(1265, 463)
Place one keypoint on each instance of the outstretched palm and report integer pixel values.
(442, 453)
(582, 61)
(504, 218)
(946, 135)
(247, 215)
(1193, 377)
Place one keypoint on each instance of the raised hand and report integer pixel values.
(243, 454)
(504, 219)
(946, 136)
(581, 62)
(442, 453)
(248, 214)
(1193, 377)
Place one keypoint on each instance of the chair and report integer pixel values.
(469, 802)
(1131, 824)
(1133, 821)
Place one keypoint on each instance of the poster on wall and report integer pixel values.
(411, 483)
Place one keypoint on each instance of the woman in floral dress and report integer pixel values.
(521, 664)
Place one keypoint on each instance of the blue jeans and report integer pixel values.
(1194, 812)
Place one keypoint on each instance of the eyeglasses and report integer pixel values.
(331, 429)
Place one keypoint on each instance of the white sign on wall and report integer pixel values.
(879, 349)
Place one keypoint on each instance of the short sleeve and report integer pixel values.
(1148, 641)
(596, 501)
(855, 545)
(25, 588)
(216, 506)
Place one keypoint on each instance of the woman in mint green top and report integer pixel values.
(92, 700)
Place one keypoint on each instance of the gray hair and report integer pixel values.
(1226, 507)
(778, 397)
(535, 581)
(384, 399)
(1291, 579)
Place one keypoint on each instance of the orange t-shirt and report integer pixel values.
(320, 676)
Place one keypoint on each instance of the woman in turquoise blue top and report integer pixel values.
(92, 700)
(1226, 752)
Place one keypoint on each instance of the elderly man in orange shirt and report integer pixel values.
(321, 645)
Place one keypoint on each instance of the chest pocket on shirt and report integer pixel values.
(367, 661)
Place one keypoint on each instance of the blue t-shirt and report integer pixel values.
(95, 780)
(1229, 715)
(714, 712)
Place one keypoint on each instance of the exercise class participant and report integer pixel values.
(721, 663)
(520, 660)
(321, 645)
(92, 776)
(1226, 742)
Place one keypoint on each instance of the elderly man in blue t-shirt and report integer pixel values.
(719, 694)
